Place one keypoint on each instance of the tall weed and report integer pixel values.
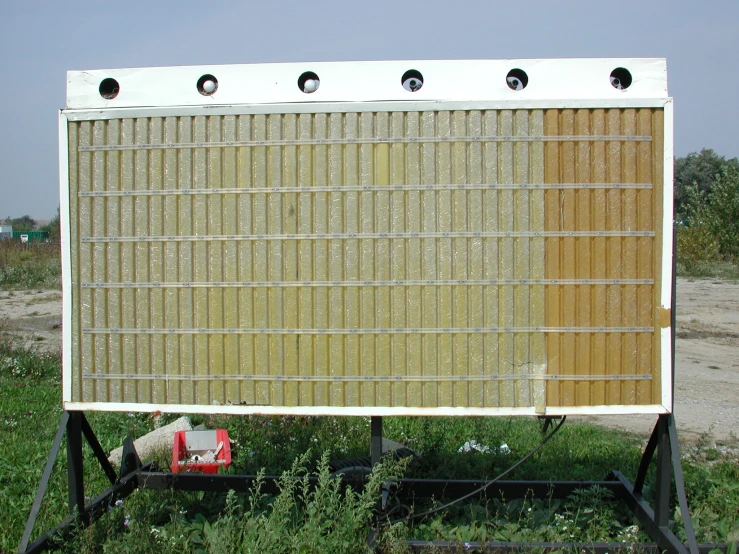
(30, 265)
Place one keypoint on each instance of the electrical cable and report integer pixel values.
(487, 484)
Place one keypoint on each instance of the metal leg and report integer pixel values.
(663, 477)
(56, 446)
(75, 426)
(92, 440)
(677, 467)
(75, 473)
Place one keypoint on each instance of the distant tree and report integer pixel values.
(698, 169)
(24, 223)
(715, 212)
(53, 228)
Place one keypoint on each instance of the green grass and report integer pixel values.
(29, 265)
(723, 270)
(327, 519)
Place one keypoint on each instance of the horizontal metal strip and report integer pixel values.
(407, 283)
(360, 236)
(373, 331)
(367, 378)
(364, 188)
(364, 140)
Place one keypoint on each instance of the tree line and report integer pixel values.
(26, 223)
(706, 209)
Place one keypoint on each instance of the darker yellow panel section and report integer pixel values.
(635, 205)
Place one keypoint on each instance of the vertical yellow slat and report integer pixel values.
(275, 260)
(629, 304)
(658, 156)
(506, 261)
(290, 225)
(599, 265)
(430, 299)
(645, 255)
(200, 259)
(156, 261)
(86, 226)
(460, 309)
(368, 317)
(141, 265)
(537, 299)
(321, 260)
(214, 264)
(99, 305)
(336, 260)
(583, 257)
(522, 260)
(186, 271)
(491, 253)
(398, 210)
(353, 362)
(128, 273)
(260, 253)
(306, 320)
(614, 222)
(246, 272)
(113, 260)
(476, 363)
(382, 258)
(553, 222)
(568, 256)
(75, 205)
(414, 390)
(445, 258)
(172, 361)
(231, 350)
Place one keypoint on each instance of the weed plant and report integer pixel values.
(29, 265)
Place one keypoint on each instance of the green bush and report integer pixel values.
(711, 224)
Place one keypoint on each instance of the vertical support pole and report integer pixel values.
(74, 464)
(673, 312)
(677, 467)
(663, 475)
(376, 441)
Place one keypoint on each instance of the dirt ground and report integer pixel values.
(706, 386)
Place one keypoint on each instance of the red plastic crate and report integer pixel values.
(189, 443)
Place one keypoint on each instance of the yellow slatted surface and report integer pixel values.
(395, 259)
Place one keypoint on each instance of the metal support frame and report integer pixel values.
(662, 448)
(76, 427)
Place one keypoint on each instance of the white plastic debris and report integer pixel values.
(504, 449)
(157, 440)
(471, 445)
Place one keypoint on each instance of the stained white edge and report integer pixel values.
(358, 107)
(66, 258)
(667, 261)
(548, 79)
(360, 411)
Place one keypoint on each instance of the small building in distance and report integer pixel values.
(31, 236)
(6, 232)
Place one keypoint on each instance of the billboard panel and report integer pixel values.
(505, 255)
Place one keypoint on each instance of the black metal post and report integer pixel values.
(75, 475)
(376, 440)
(663, 476)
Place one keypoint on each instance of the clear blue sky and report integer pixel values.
(41, 40)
